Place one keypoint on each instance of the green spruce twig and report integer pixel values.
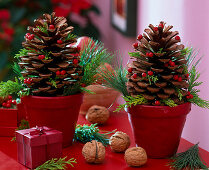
(169, 102)
(55, 164)
(70, 37)
(86, 133)
(43, 28)
(189, 159)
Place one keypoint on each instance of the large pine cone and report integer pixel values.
(158, 55)
(52, 64)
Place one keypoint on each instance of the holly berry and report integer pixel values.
(150, 73)
(139, 37)
(150, 54)
(28, 81)
(27, 35)
(83, 85)
(30, 37)
(188, 97)
(134, 75)
(157, 103)
(166, 64)
(41, 57)
(25, 81)
(187, 75)
(75, 61)
(180, 79)
(4, 104)
(172, 64)
(161, 25)
(147, 54)
(51, 27)
(144, 74)
(58, 73)
(155, 28)
(9, 101)
(59, 42)
(177, 38)
(8, 105)
(188, 93)
(9, 97)
(130, 70)
(63, 72)
(135, 45)
(191, 96)
(14, 102)
(175, 77)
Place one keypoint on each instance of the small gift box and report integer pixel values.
(37, 145)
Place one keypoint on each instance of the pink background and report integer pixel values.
(191, 19)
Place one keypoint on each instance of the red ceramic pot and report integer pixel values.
(60, 113)
(158, 128)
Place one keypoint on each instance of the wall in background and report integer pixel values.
(190, 18)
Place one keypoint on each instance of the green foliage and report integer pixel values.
(152, 79)
(186, 51)
(180, 95)
(17, 70)
(72, 89)
(131, 101)
(115, 79)
(43, 29)
(55, 164)
(92, 56)
(54, 84)
(70, 37)
(189, 159)
(161, 51)
(22, 52)
(169, 102)
(47, 54)
(86, 133)
(10, 87)
(136, 55)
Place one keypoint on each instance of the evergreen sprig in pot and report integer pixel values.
(158, 87)
(53, 74)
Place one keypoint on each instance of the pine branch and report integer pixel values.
(72, 89)
(152, 79)
(169, 102)
(55, 164)
(131, 101)
(85, 133)
(17, 70)
(43, 28)
(93, 55)
(70, 37)
(21, 53)
(10, 87)
(136, 55)
(189, 159)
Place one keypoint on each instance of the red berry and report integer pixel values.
(187, 75)
(191, 96)
(188, 93)
(175, 77)
(172, 64)
(150, 73)
(157, 103)
(8, 105)
(180, 79)
(166, 64)
(83, 85)
(63, 72)
(59, 41)
(135, 45)
(155, 28)
(9, 101)
(27, 35)
(177, 38)
(9, 97)
(130, 70)
(75, 61)
(30, 37)
(25, 81)
(51, 27)
(150, 54)
(144, 74)
(188, 97)
(58, 73)
(134, 75)
(147, 54)
(161, 25)
(28, 81)
(4, 104)
(41, 57)
(139, 37)
(14, 102)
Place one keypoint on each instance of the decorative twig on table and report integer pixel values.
(55, 164)
(85, 133)
(189, 159)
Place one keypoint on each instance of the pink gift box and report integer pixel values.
(37, 145)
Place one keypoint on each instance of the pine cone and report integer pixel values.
(158, 72)
(52, 64)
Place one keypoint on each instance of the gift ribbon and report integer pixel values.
(36, 131)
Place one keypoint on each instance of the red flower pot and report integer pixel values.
(60, 113)
(158, 128)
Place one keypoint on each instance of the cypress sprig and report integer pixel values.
(85, 133)
(189, 159)
(55, 164)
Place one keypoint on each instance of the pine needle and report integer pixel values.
(169, 102)
(85, 133)
(55, 164)
(189, 159)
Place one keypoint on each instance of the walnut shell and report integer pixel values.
(94, 152)
(135, 156)
(98, 114)
(119, 142)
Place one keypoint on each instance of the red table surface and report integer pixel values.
(113, 161)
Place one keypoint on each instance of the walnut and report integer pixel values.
(94, 152)
(135, 156)
(97, 114)
(119, 142)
